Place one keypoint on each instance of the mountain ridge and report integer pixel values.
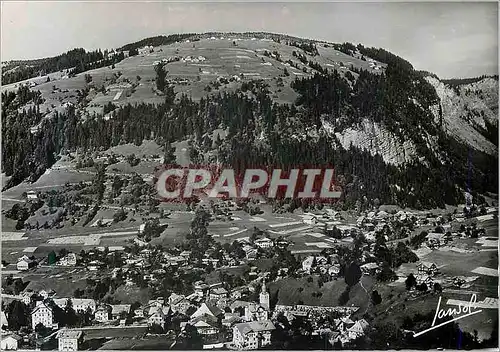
(362, 106)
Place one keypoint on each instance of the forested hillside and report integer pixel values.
(78, 60)
(310, 130)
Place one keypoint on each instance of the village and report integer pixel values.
(196, 303)
(92, 259)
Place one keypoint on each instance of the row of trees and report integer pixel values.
(78, 60)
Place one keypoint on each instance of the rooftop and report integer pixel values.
(255, 326)
(69, 334)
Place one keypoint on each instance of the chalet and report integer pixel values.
(218, 293)
(205, 325)
(382, 215)
(69, 340)
(425, 279)
(10, 342)
(252, 335)
(157, 302)
(256, 312)
(312, 261)
(179, 303)
(207, 309)
(358, 329)
(26, 297)
(118, 310)
(68, 260)
(334, 270)
(230, 319)
(369, 226)
(185, 254)
(200, 286)
(103, 313)
(32, 194)
(157, 316)
(139, 313)
(264, 243)
(44, 294)
(24, 263)
(250, 252)
(94, 265)
(427, 268)
(140, 243)
(435, 239)
(79, 304)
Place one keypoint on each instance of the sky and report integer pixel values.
(450, 39)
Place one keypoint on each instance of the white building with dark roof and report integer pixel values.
(41, 314)
(207, 309)
(69, 340)
(252, 335)
(10, 342)
(79, 304)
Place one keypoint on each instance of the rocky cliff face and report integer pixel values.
(376, 139)
(463, 113)
(466, 110)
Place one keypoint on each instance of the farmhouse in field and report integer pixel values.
(24, 263)
(31, 194)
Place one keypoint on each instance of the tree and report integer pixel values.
(133, 160)
(161, 76)
(120, 215)
(386, 274)
(376, 298)
(352, 274)
(42, 330)
(344, 297)
(17, 315)
(156, 329)
(410, 281)
(191, 340)
(437, 288)
(422, 287)
(169, 156)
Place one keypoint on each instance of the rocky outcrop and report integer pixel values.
(376, 139)
(464, 114)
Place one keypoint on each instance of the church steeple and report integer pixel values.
(264, 296)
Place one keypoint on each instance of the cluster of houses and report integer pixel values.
(146, 50)
(208, 309)
(426, 272)
(214, 309)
